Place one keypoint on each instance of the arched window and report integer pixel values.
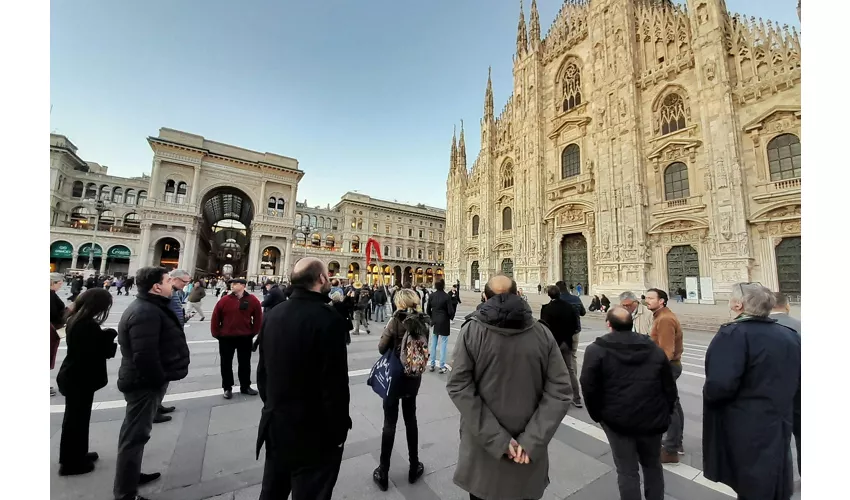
(676, 181)
(507, 219)
(132, 220)
(105, 193)
(507, 175)
(299, 238)
(419, 254)
(329, 241)
(327, 223)
(571, 87)
(409, 253)
(313, 221)
(106, 220)
(143, 197)
(182, 189)
(130, 197)
(355, 244)
(91, 191)
(117, 195)
(316, 240)
(280, 207)
(360, 224)
(170, 188)
(335, 225)
(570, 161)
(672, 114)
(475, 225)
(272, 204)
(77, 190)
(783, 155)
(81, 217)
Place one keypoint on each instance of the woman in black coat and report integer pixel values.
(606, 304)
(441, 309)
(82, 373)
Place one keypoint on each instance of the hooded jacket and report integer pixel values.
(628, 384)
(508, 380)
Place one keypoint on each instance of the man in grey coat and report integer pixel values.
(510, 383)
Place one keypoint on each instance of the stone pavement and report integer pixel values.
(207, 450)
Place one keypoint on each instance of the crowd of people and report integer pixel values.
(509, 411)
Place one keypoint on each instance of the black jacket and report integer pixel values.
(628, 384)
(303, 378)
(379, 297)
(57, 310)
(153, 345)
(84, 368)
(561, 319)
(441, 309)
(577, 304)
(273, 298)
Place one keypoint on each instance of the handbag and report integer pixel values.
(386, 375)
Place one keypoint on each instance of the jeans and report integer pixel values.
(242, 346)
(313, 481)
(74, 443)
(135, 433)
(408, 412)
(360, 319)
(572, 367)
(628, 452)
(380, 313)
(442, 341)
(672, 440)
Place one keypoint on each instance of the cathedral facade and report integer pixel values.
(645, 144)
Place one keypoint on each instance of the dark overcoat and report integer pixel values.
(752, 389)
(441, 310)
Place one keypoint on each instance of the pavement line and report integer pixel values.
(680, 469)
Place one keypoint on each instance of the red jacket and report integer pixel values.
(228, 320)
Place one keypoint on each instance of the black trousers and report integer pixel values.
(630, 452)
(315, 481)
(134, 435)
(242, 347)
(408, 411)
(74, 443)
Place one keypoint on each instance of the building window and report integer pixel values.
(316, 240)
(354, 223)
(410, 232)
(143, 197)
(132, 220)
(298, 220)
(507, 175)
(329, 241)
(387, 229)
(91, 191)
(676, 182)
(570, 161)
(409, 253)
(280, 207)
(440, 236)
(117, 195)
(313, 221)
(430, 255)
(374, 228)
(783, 155)
(77, 190)
(419, 254)
(170, 188)
(130, 197)
(507, 219)
(672, 114)
(272, 205)
(430, 235)
(386, 251)
(571, 88)
(360, 224)
(420, 234)
(355, 244)
(105, 193)
(182, 188)
(398, 230)
(440, 255)
(335, 224)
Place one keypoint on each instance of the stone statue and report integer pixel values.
(726, 227)
(630, 238)
(629, 199)
(605, 240)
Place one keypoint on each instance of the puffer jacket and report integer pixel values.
(153, 345)
(628, 384)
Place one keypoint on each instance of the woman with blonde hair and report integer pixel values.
(407, 319)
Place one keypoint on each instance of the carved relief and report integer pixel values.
(606, 240)
(710, 68)
(630, 237)
(569, 217)
(726, 227)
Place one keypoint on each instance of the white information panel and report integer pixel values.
(692, 290)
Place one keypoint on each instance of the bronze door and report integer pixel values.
(474, 274)
(682, 262)
(574, 261)
(508, 268)
(789, 268)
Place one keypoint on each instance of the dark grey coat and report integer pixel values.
(508, 380)
(441, 309)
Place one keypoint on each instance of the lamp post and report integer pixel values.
(306, 230)
(99, 208)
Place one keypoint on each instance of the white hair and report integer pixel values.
(628, 296)
(178, 273)
(756, 299)
(56, 278)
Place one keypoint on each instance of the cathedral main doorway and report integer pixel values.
(574, 260)
(788, 267)
(475, 275)
(508, 267)
(682, 262)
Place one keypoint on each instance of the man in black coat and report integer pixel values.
(628, 386)
(560, 317)
(572, 364)
(274, 296)
(303, 382)
(441, 309)
(153, 353)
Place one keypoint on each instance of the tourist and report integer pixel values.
(153, 353)
(128, 284)
(82, 373)
(342, 304)
(379, 304)
(76, 287)
(455, 295)
(441, 311)
(539, 288)
(236, 318)
(194, 300)
(179, 279)
(303, 383)
(605, 303)
(522, 295)
(57, 319)
(274, 296)
(781, 313)
(560, 317)
(119, 284)
(407, 320)
(578, 289)
(666, 332)
(362, 303)
(751, 399)
(512, 389)
(219, 287)
(595, 305)
(629, 388)
(578, 306)
(641, 316)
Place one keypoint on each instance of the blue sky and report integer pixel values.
(363, 93)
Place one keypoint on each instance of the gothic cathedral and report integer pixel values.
(645, 144)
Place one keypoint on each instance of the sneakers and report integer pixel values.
(443, 370)
(431, 368)
(249, 391)
(669, 458)
(681, 450)
(148, 478)
(415, 473)
(76, 469)
(160, 418)
(381, 479)
(578, 404)
(228, 393)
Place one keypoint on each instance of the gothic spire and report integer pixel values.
(488, 96)
(461, 155)
(453, 162)
(534, 32)
(521, 35)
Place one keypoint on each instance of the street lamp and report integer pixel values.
(306, 230)
(99, 208)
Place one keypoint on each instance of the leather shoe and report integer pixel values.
(415, 473)
(76, 470)
(228, 393)
(160, 418)
(249, 391)
(166, 409)
(92, 456)
(148, 478)
(381, 479)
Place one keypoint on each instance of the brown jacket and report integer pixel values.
(395, 330)
(667, 333)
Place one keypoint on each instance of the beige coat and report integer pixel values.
(642, 320)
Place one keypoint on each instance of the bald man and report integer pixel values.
(633, 397)
(506, 358)
(303, 382)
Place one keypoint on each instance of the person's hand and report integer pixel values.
(517, 454)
